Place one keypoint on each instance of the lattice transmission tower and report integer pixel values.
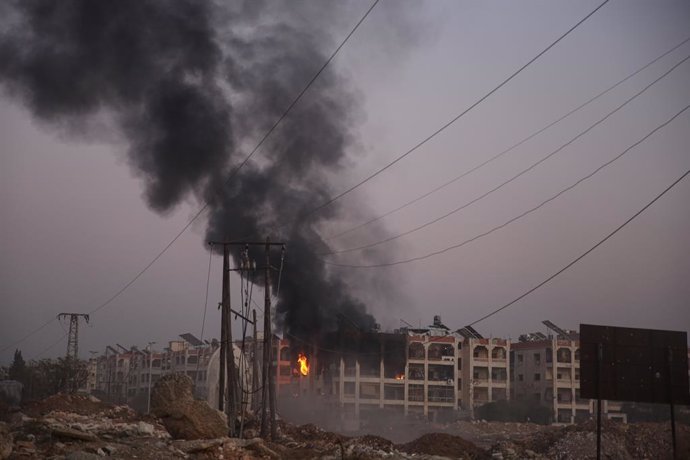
(73, 338)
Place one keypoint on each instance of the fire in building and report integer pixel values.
(351, 376)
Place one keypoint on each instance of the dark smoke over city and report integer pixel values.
(190, 87)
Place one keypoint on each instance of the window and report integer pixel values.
(537, 377)
(416, 351)
(521, 377)
(537, 358)
(520, 358)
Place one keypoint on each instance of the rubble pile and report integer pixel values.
(68, 427)
(77, 404)
(486, 434)
(444, 445)
(620, 441)
(184, 417)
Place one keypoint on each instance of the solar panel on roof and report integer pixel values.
(193, 341)
(465, 333)
(557, 330)
(476, 334)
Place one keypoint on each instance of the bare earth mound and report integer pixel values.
(445, 445)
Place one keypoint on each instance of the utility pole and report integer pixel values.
(72, 347)
(268, 342)
(73, 336)
(223, 348)
(267, 377)
(148, 399)
(232, 389)
(255, 366)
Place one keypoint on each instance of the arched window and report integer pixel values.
(563, 355)
(498, 353)
(481, 352)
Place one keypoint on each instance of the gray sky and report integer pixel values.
(74, 227)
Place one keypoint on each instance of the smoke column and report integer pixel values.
(189, 85)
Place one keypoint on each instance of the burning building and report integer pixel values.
(432, 372)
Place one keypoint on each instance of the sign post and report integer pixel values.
(640, 365)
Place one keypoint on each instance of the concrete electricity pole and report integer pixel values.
(268, 387)
(148, 399)
(73, 338)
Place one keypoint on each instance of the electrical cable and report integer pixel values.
(232, 174)
(203, 321)
(51, 346)
(529, 211)
(503, 184)
(566, 267)
(509, 149)
(38, 329)
(449, 123)
(580, 257)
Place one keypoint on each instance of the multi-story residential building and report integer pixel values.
(431, 372)
(125, 376)
(485, 371)
(91, 379)
(546, 370)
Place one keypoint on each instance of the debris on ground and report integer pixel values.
(6, 441)
(72, 427)
(444, 445)
(184, 417)
(619, 441)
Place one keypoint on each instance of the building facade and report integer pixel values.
(547, 372)
(124, 376)
(432, 373)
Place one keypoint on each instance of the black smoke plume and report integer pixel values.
(189, 85)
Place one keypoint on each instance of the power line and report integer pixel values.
(449, 123)
(511, 179)
(580, 257)
(49, 347)
(458, 245)
(232, 174)
(38, 329)
(509, 149)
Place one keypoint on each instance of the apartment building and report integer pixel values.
(124, 375)
(430, 372)
(546, 370)
(485, 371)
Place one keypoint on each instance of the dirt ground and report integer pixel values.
(81, 428)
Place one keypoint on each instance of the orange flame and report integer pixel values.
(303, 364)
(400, 377)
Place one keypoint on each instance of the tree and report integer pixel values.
(18, 367)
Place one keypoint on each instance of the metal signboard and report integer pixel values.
(627, 364)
